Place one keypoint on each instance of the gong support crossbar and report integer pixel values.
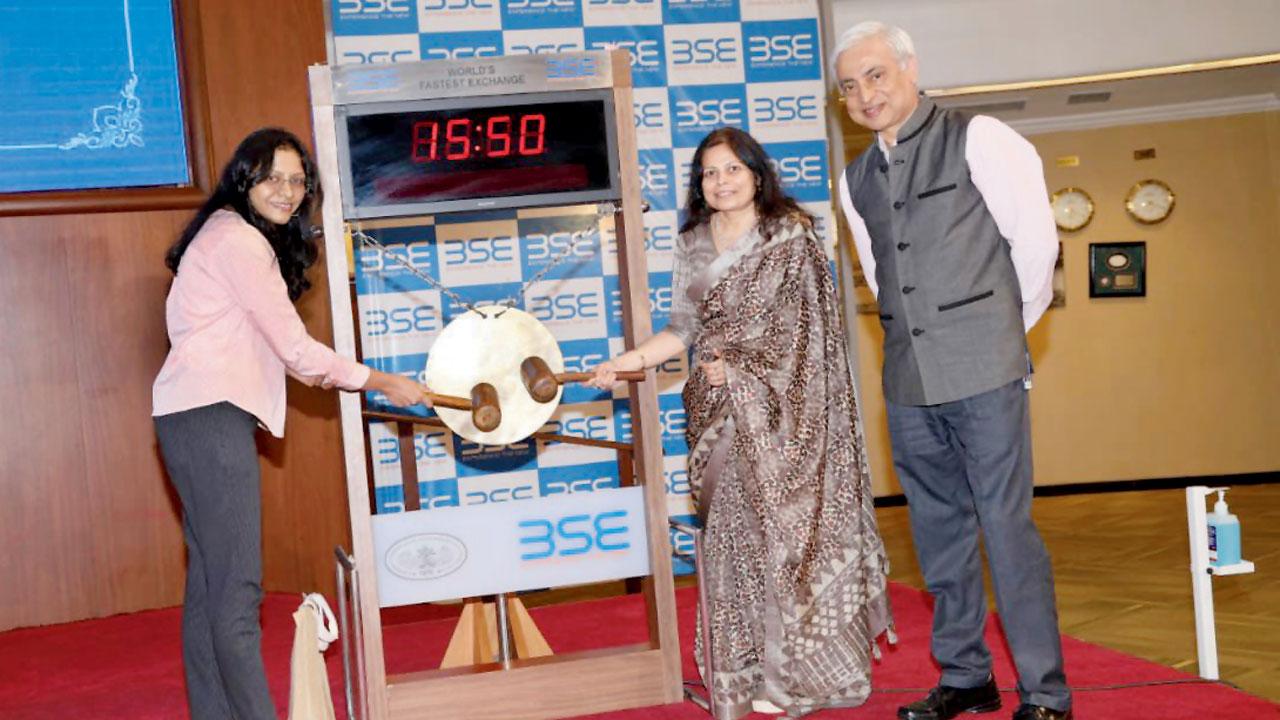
(547, 436)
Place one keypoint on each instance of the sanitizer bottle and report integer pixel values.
(1224, 534)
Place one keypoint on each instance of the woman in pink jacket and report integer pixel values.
(234, 333)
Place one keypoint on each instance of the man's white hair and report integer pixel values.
(897, 39)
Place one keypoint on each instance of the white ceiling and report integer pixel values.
(1138, 100)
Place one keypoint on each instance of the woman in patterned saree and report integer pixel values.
(792, 558)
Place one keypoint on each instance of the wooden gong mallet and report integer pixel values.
(486, 414)
(542, 383)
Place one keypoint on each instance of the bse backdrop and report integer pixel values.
(696, 65)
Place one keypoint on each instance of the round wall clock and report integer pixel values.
(1149, 201)
(1072, 208)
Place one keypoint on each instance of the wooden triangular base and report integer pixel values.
(475, 638)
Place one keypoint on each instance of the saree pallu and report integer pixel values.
(793, 562)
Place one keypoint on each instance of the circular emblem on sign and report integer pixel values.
(426, 557)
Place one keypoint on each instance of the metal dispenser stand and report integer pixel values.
(1202, 574)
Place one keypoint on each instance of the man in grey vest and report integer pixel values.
(953, 228)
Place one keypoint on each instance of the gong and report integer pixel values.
(487, 344)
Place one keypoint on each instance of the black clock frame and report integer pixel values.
(555, 176)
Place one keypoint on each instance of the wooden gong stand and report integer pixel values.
(527, 688)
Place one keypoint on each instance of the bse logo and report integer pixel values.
(643, 53)
(677, 482)
(355, 57)
(655, 177)
(659, 238)
(544, 48)
(649, 116)
(673, 422)
(570, 68)
(479, 251)
(425, 446)
(572, 535)
(595, 427)
(779, 49)
(542, 246)
(401, 320)
(539, 4)
(470, 449)
(802, 169)
(704, 113)
(462, 52)
(681, 543)
(784, 108)
(581, 485)
(373, 7)
(583, 363)
(436, 501)
(435, 5)
(567, 306)
(481, 496)
(418, 255)
(660, 300)
(704, 51)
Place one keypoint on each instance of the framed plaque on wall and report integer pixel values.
(1118, 269)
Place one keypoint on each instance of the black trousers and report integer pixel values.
(213, 463)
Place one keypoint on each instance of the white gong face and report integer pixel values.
(487, 345)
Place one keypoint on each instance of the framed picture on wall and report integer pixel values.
(1118, 269)
(104, 106)
(1059, 282)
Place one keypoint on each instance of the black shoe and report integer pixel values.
(946, 702)
(1040, 712)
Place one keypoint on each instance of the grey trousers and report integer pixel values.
(965, 467)
(213, 463)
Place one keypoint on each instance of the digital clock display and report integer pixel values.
(472, 153)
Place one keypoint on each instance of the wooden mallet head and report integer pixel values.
(538, 379)
(486, 414)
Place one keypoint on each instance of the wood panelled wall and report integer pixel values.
(89, 524)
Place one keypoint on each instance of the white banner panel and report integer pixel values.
(567, 538)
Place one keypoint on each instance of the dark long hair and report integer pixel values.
(773, 204)
(293, 242)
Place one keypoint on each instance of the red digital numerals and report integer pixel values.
(462, 138)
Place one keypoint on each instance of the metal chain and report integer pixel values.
(602, 210)
(368, 241)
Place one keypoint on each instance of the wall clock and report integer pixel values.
(1072, 208)
(1149, 201)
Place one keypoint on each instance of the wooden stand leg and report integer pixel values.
(475, 638)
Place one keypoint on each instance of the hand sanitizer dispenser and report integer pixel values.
(1224, 534)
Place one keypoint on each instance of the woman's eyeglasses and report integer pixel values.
(731, 170)
(276, 182)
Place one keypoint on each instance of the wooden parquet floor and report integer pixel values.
(1121, 567)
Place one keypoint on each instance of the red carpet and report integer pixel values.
(129, 667)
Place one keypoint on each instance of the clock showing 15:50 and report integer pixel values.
(463, 153)
(496, 136)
